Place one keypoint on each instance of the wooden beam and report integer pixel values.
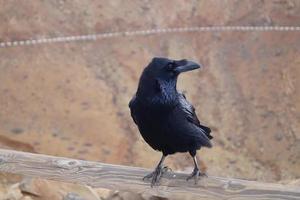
(124, 178)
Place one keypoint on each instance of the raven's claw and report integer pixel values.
(166, 169)
(157, 174)
(195, 174)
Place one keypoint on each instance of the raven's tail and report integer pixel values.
(207, 131)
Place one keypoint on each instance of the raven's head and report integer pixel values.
(162, 73)
(166, 69)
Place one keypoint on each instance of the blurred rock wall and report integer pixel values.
(70, 99)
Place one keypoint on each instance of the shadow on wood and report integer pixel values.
(124, 178)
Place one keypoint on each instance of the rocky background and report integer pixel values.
(70, 99)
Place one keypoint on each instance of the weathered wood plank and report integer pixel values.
(124, 178)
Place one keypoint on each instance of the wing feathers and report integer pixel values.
(192, 117)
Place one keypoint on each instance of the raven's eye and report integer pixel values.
(171, 66)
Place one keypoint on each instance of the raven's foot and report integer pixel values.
(195, 174)
(157, 174)
(167, 169)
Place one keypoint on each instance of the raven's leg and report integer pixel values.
(196, 172)
(157, 173)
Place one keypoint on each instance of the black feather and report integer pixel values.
(166, 120)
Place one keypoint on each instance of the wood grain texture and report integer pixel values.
(124, 178)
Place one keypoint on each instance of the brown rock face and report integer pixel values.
(70, 99)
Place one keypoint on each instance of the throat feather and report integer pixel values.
(168, 91)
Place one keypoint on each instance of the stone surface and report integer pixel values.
(12, 193)
(73, 196)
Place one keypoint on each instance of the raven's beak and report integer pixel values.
(185, 65)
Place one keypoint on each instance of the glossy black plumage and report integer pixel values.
(166, 120)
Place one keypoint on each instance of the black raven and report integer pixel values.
(165, 119)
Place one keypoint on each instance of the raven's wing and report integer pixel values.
(191, 116)
(131, 105)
